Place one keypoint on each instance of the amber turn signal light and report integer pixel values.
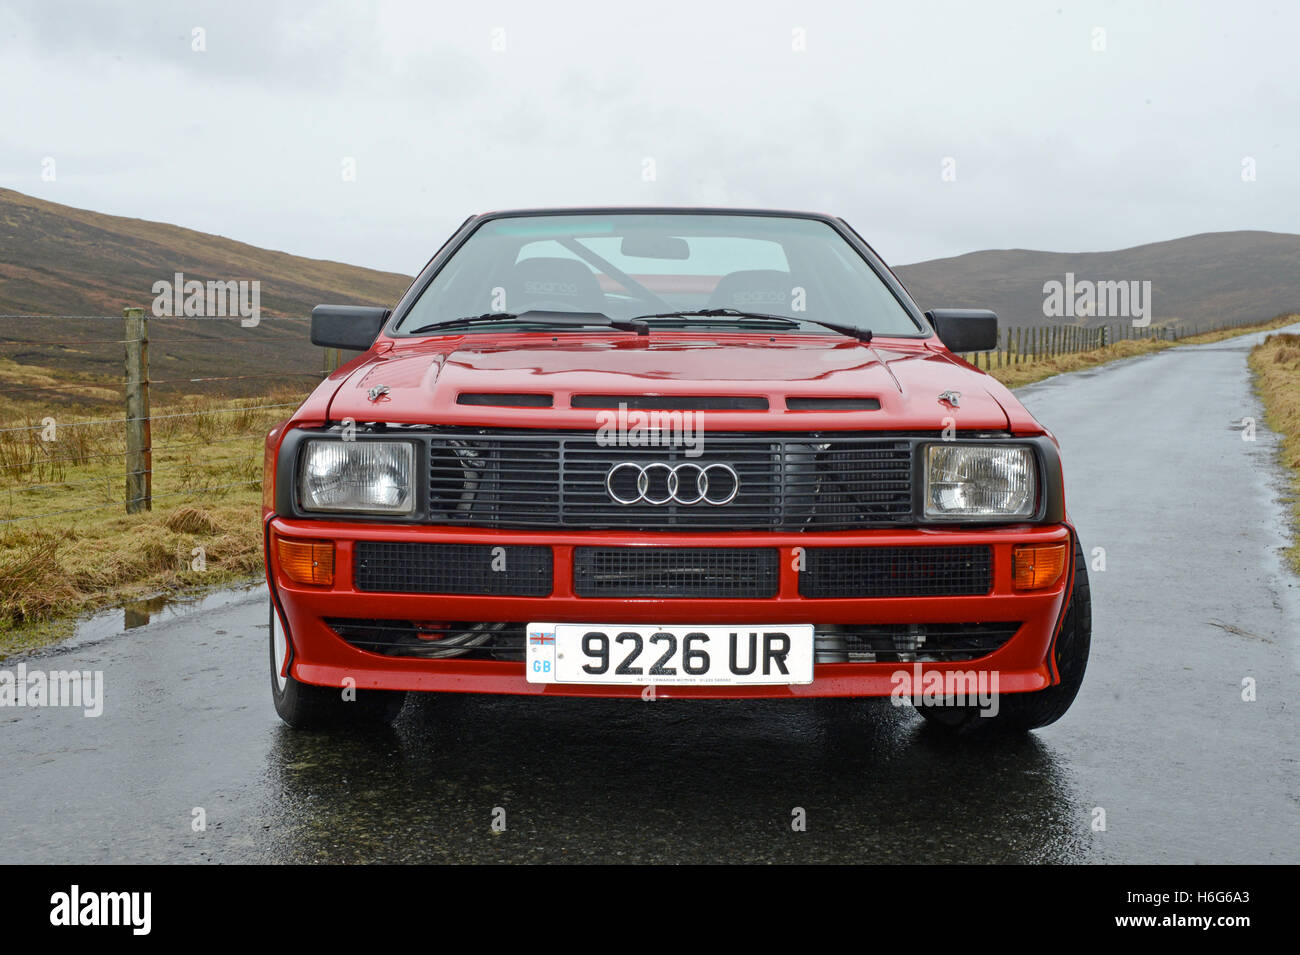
(1036, 566)
(306, 562)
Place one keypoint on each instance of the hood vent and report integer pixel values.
(832, 404)
(504, 399)
(673, 402)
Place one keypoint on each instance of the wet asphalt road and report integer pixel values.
(1194, 598)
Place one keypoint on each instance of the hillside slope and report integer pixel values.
(1209, 279)
(58, 260)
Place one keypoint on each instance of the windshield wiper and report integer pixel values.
(852, 331)
(545, 317)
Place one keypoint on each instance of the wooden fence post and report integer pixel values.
(139, 452)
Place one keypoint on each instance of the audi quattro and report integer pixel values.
(674, 453)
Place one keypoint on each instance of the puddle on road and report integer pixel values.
(140, 613)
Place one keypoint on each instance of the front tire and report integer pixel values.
(1029, 711)
(304, 706)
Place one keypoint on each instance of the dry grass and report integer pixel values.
(1276, 364)
(80, 550)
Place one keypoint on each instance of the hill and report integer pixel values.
(57, 260)
(1203, 280)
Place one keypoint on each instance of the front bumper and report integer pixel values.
(320, 656)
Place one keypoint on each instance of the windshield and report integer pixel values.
(629, 265)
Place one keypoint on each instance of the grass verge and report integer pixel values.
(68, 546)
(1276, 364)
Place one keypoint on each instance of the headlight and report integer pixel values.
(980, 481)
(365, 476)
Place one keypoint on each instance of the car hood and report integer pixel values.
(475, 380)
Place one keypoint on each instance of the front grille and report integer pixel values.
(510, 479)
(896, 571)
(685, 572)
(502, 571)
(835, 643)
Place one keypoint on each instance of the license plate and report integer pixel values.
(669, 655)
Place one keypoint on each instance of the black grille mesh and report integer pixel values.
(675, 572)
(896, 571)
(841, 482)
(503, 571)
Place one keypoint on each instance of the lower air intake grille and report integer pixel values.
(896, 571)
(433, 640)
(835, 643)
(910, 642)
(716, 572)
(513, 571)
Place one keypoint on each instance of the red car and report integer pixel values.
(669, 454)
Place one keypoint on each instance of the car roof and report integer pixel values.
(654, 210)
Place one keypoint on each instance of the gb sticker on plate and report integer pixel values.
(540, 663)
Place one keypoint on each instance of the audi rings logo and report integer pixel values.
(660, 483)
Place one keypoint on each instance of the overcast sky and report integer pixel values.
(850, 109)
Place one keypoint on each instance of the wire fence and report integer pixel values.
(1018, 346)
(80, 436)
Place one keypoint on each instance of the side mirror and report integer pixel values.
(965, 329)
(354, 327)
